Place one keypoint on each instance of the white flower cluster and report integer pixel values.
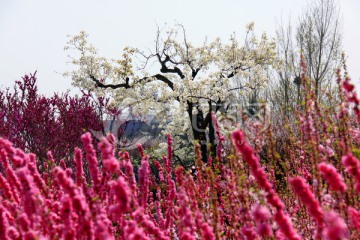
(215, 72)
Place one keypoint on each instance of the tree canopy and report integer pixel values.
(178, 78)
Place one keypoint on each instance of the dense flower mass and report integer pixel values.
(333, 178)
(37, 124)
(214, 202)
(293, 173)
(239, 193)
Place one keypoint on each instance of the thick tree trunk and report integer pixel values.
(199, 124)
(212, 137)
(199, 131)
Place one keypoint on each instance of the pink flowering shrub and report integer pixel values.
(220, 201)
(307, 188)
(38, 124)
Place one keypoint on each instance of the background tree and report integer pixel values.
(180, 82)
(285, 91)
(39, 124)
(317, 37)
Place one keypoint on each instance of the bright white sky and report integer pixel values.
(33, 33)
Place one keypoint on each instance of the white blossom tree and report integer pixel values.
(178, 81)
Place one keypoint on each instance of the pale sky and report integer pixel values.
(33, 33)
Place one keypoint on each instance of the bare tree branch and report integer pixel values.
(126, 85)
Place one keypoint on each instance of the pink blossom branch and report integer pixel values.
(283, 221)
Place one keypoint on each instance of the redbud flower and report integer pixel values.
(24, 222)
(12, 179)
(4, 185)
(66, 218)
(285, 226)
(32, 199)
(80, 179)
(144, 181)
(19, 159)
(348, 86)
(335, 227)
(260, 213)
(352, 166)
(129, 170)
(332, 177)
(241, 145)
(38, 180)
(144, 220)
(264, 229)
(79, 203)
(249, 232)
(4, 158)
(62, 164)
(140, 149)
(185, 214)
(207, 232)
(133, 232)
(30, 235)
(13, 233)
(329, 151)
(111, 164)
(103, 226)
(122, 193)
(355, 217)
(160, 169)
(4, 225)
(91, 159)
(302, 189)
